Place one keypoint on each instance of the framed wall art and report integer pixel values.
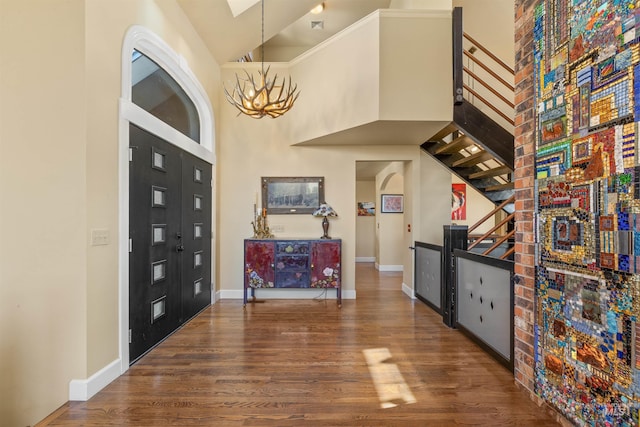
(392, 203)
(293, 195)
(459, 201)
(366, 209)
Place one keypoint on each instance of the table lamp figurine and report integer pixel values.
(325, 211)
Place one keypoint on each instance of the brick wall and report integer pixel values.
(525, 197)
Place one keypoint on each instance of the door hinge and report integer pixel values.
(130, 245)
(131, 148)
(130, 336)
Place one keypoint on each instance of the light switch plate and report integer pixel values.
(99, 237)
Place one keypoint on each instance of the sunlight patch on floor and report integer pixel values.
(387, 379)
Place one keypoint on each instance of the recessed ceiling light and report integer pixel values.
(319, 8)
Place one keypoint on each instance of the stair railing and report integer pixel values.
(498, 240)
(490, 84)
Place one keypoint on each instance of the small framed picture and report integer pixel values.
(366, 209)
(392, 203)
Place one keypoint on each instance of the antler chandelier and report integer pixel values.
(262, 97)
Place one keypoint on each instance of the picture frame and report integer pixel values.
(459, 202)
(292, 195)
(366, 209)
(392, 203)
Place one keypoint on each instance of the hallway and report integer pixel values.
(302, 362)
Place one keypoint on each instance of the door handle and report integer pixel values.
(179, 248)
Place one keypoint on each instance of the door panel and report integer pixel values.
(196, 201)
(161, 293)
(325, 264)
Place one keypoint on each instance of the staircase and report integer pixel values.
(474, 146)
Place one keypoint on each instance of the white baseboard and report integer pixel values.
(83, 390)
(390, 267)
(408, 290)
(348, 294)
(229, 294)
(365, 259)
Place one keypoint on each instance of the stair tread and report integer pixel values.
(451, 127)
(456, 145)
(473, 159)
(491, 172)
(499, 187)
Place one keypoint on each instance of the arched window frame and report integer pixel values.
(148, 43)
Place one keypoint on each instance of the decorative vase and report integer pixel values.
(325, 228)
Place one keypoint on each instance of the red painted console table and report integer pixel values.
(292, 263)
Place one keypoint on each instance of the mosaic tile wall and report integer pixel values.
(587, 94)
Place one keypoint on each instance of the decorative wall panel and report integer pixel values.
(587, 80)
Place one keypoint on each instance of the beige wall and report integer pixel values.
(366, 225)
(354, 55)
(43, 264)
(415, 58)
(390, 226)
(60, 85)
(497, 38)
(382, 65)
(477, 207)
(435, 200)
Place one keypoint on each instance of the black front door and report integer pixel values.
(170, 239)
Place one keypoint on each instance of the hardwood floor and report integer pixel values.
(302, 362)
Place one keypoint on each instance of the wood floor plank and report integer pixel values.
(301, 362)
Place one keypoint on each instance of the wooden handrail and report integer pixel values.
(489, 88)
(473, 237)
(508, 252)
(488, 53)
(499, 242)
(492, 213)
(489, 70)
(488, 233)
(493, 107)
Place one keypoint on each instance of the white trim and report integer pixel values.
(348, 294)
(150, 123)
(390, 267)
(147, 42)
(408, 290)
(366, 259)
(83, 390)
(229, 294)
